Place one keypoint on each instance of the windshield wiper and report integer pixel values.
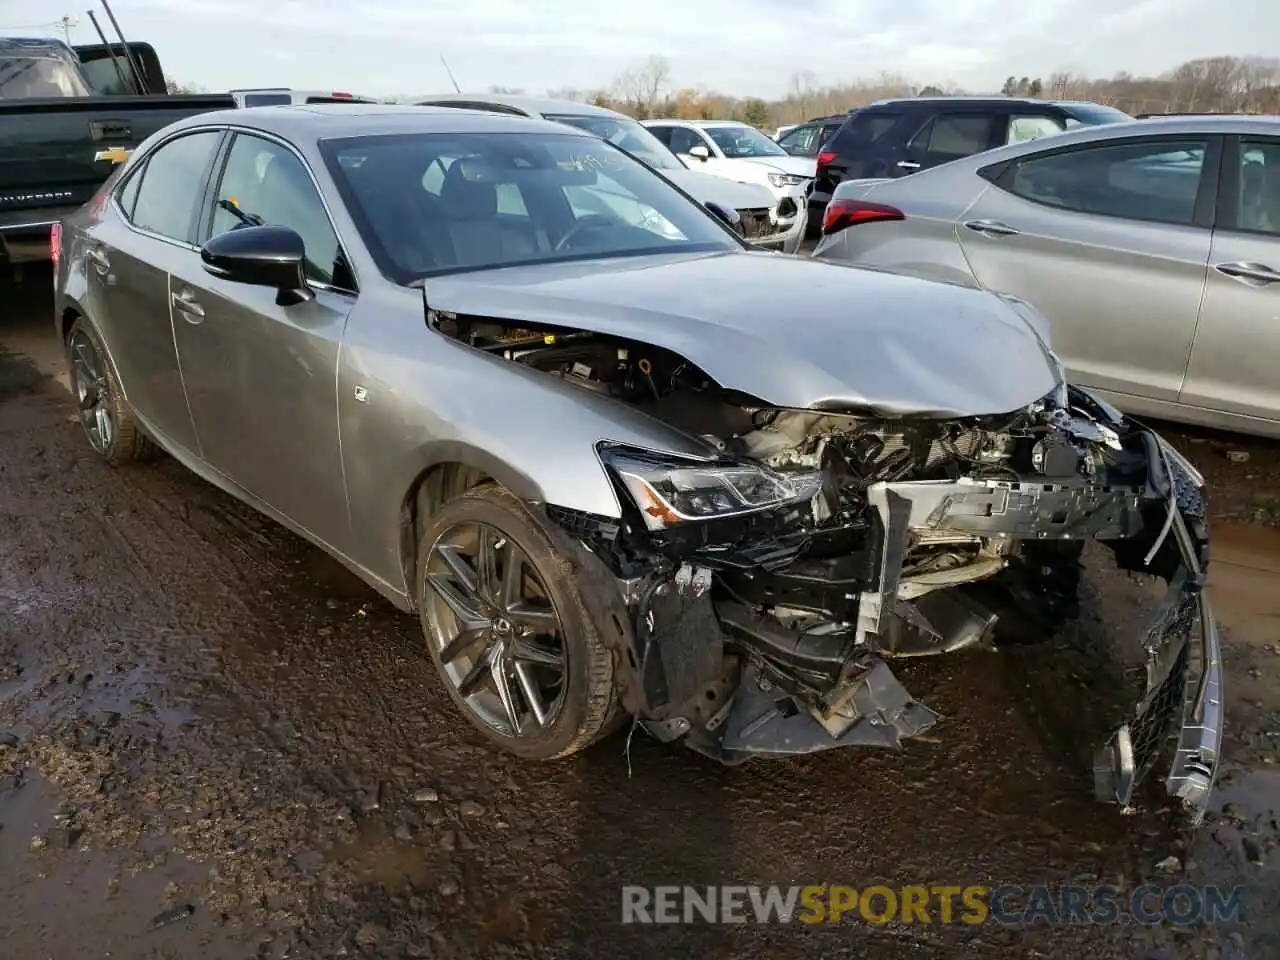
(246, 219)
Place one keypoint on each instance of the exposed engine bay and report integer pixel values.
(769, 587)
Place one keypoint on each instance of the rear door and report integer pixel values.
(1111, 241)
(865, 145)
(129, 258)
(951, 135)
(1235, 366)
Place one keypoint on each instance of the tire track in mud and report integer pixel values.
(277, 720)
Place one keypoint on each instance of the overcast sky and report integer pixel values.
(747, 47)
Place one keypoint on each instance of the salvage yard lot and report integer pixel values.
(214, 742)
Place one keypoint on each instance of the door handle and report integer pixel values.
(1250, 273)
(98, 260)
(991, 228)
(908, 165)
(185, 303)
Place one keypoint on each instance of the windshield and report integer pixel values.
(739, 140)
(28, 77)
(428, 204)
(1093, 114)
(628, 134)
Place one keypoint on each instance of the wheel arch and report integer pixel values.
(448, 471)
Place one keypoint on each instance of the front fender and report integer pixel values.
(429, 400)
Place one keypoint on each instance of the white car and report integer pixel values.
(738, 152)
(769, 221)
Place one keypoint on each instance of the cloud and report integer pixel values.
(745, 46)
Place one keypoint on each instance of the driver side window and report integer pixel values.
(264, 183)
(683, 140)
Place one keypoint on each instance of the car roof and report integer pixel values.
(322, 121)
(530, 105)
(1164, 127)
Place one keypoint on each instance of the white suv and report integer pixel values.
(738, 152)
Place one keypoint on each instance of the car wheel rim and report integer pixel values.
(497, 633)
(93, 395)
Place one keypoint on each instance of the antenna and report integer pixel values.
(115, 61)
(128, 53)
(445, 63)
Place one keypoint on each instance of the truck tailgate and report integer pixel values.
(48, 161)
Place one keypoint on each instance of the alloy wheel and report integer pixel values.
(499, 638)
(92, 391)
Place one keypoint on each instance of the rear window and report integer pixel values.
(266, 99)
(30, 77)
(862, 129)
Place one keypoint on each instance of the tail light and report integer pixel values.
(846, 213)
(343, 96)
(55, 245)
(824, 159)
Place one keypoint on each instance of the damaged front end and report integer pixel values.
(768, 586)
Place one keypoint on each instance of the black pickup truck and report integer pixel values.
(68, 115)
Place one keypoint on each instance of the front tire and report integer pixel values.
(109, 424)
(509, 630)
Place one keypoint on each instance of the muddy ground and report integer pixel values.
(215, 743)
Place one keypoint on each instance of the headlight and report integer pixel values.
(786, 179)
(670, 491)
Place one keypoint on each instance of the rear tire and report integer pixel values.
(524, 630)
(110, 426)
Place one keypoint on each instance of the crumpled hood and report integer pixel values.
(789, 331)
(707, 188)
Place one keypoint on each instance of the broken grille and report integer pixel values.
(756, 225)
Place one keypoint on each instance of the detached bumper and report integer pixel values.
(1183, 696)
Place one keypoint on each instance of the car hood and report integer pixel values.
(788, 331)
(707, 188)
(800, 166)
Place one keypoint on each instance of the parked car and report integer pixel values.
(806, 139)
(765, 220)
(69, 115)
(893, 138)
(279, 96)
(619, 463)
(1153, 247)
(738, 152)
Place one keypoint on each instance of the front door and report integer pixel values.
(1235, 366)
(1105, 240)
(130, 258)
(260, 376)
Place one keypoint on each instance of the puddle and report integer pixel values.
(123, 905)
(1244, 581)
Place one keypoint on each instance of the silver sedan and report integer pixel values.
(1153, 247)
(618, 463)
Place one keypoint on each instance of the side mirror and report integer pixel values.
(727, 216)
(262, 257)
(701, 152)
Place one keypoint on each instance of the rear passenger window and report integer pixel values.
(173, 184)
(1155, 181)
(957, 134)
(128, 194)
(1031, 128)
